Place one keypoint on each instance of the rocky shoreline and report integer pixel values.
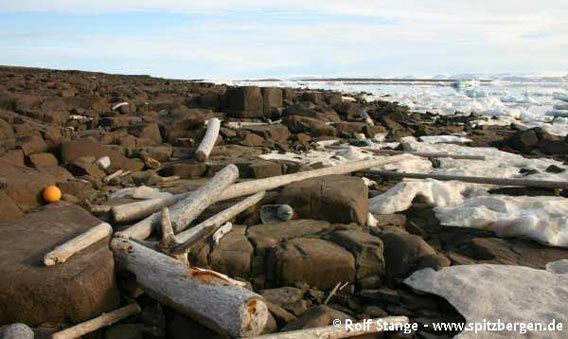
(96, 135)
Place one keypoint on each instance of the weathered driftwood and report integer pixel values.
(476, 180)
(99, 322)
(210, 298)
(190, 237)
(420, 154)
(341, 331)
(168, 237)
(220, 233)
(187, 209)
(64, 251)
(206, 146)
(142, 209)
(266, 184)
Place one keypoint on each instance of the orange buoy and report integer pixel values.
(51, 193)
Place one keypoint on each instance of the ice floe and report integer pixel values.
(511, 294)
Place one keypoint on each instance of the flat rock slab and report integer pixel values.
(334, 198)
(509, 293)
(76, 290)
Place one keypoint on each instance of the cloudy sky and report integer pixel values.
(240, 39)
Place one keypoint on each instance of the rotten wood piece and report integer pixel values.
(64, 251)
(368, 326)
(186, 210)
(206, 146)
(476, 180)
(208, 297)
(105, 319)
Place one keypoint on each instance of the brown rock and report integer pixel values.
(186, 170)
(276, 132)
(42, 159)
(335, 198)
(32, 144)
(78, 290)
(233, 255)
(8, 209)
(75, 149)
(317, 128)
(315, 317)
(251, 140)
(245, 102)
(317, 262)
(367, 249)
(272, 101)
(403, 252)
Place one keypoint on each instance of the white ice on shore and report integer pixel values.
(512, 294)
(543, 219)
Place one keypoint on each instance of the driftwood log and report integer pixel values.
(145, 208)
(64, 251)
(206, 145)
(105, 319)
(208, 297)
(190, 237)
(186, 210)
(341, 331)
(419, 154)
(476, 180)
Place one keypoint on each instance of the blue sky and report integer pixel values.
(255, 39)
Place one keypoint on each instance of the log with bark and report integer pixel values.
(146, 208)
(64, 251)
(105, 319)
(208, 297)
(206, 146)
(186, 210)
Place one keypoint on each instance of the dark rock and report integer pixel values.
(316, 317)
(272, 101)
(32, 144)
(7, 137)
(276, 132)
(75, 149)
(554, 169)
(42, 159)
(78, 290)
(317, 128)
(233, 254)
(335, 198)
(403, 252)
(185, 170)
(267, 235)
(8, 209)
(316, 262)
(523, 141)
(251, 140)
(283, 295)
(245, 102)
(348, 109)
(367, 249)
(281, 316)
(125, 331)
(149, 130)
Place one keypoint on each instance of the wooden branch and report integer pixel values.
(205, 296)
(266, 184)
(64, 251)
(105, 319)
(476, 180)
(206, 146)
(420, 154)
(141, 230)
(342, 331)
(185, 211)
(193, 235)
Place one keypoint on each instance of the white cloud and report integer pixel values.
(434, 36)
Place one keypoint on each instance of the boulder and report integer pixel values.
(317, 128)
(233, 254)
(265, 235)
(32, 144)
(251, 140)
(245, 102)
(276, 132)
(335, 198)
(317, 262)
(148, 130)
(38, 160)
(185, 170)
(523, 141)
(8, 209)
(367, 249)
(272, 101)
(75, 149)
(7, 137)
(315, 317)
(282, 296)
(403, 253)
(259, 169)
(78, 290)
